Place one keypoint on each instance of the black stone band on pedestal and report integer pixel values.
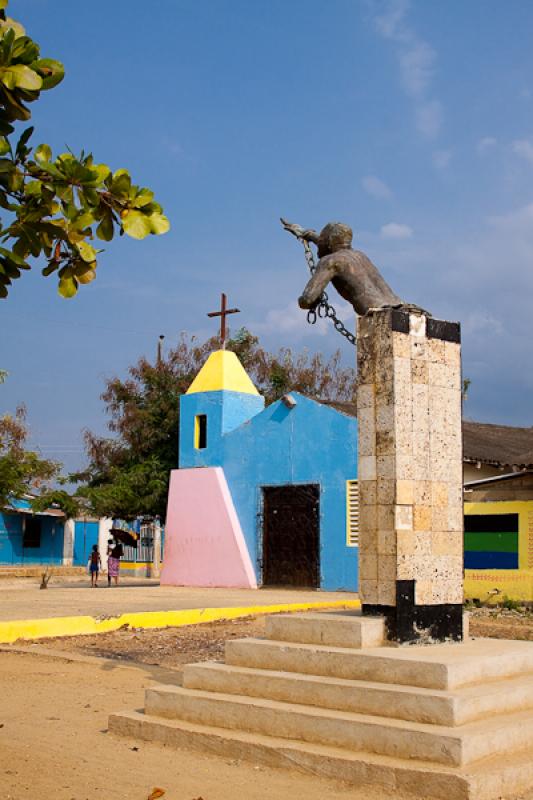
(409, 623)
(435, 328)
(399, 321)
(441, 329)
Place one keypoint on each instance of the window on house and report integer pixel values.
(200, 432)
(32, 532)
(352, 513)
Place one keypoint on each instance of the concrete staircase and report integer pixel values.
(323, 693)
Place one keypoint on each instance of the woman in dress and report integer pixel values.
(113, 562)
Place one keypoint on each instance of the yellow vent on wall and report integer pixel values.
(352, 513)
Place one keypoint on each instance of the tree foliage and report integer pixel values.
(59, 498)
(21, 471)
(128, 474)
(56, 206)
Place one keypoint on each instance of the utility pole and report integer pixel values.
(160, 349)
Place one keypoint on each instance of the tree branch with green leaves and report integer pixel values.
(56, 206)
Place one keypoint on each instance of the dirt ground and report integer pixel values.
(174, 647)
(167, 647)
(54, 743)
(56, 699)
(501, 624)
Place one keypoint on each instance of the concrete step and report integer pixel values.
(445, 667)
(414, 704)
(490, 779)
(349, 629)
(371, 734)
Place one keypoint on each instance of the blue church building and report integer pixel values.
(263, 496)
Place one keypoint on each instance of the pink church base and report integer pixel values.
(204, 542)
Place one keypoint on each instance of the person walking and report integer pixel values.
(95, 565)
(113, 562)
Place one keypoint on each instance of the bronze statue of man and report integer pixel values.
(352, 273)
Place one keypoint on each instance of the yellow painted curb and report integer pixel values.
(75, 626)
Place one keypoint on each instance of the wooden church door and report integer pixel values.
(291, 538)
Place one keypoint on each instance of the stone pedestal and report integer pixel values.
(410, 474)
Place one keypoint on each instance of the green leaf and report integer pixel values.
(24, 51)
(15, 181)
(5, 128)
(86, 251)
(52, 72)
(33, 188)
(18, 76)
(121, 183)
(4, 146)
(87, 275)
(144, 197)
(136, 224)
(43, 153)
(24, 138)
(52, 266)
(102, 172)
(10, 25)
(84, 221)
(105, 229)
(158, 223)
(52, 170)
(68, 287)
(10, 256)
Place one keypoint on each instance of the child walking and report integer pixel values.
(95, 565)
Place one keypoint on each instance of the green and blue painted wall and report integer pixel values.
(499, 550)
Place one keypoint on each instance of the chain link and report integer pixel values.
(324, 310)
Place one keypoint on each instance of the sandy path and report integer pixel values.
(54, 744)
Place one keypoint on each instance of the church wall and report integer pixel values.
(309, 443)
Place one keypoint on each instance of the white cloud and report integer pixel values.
(376, 187)
(390, 23)
(519, 221)
(416, 59)
(429, 118)
(395, 230)
(524, 148)
(416, 65)
(291, 319)
(486, 144)
(480, 322)
(172, 146)
(441, 158)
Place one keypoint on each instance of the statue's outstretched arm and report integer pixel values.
(301, 233)
(325, 271)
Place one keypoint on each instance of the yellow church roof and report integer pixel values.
(222, 371)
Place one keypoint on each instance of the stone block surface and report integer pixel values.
(410, 427)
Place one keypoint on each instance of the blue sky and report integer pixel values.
(413, 122)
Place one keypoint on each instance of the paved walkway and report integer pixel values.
(24, 600)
